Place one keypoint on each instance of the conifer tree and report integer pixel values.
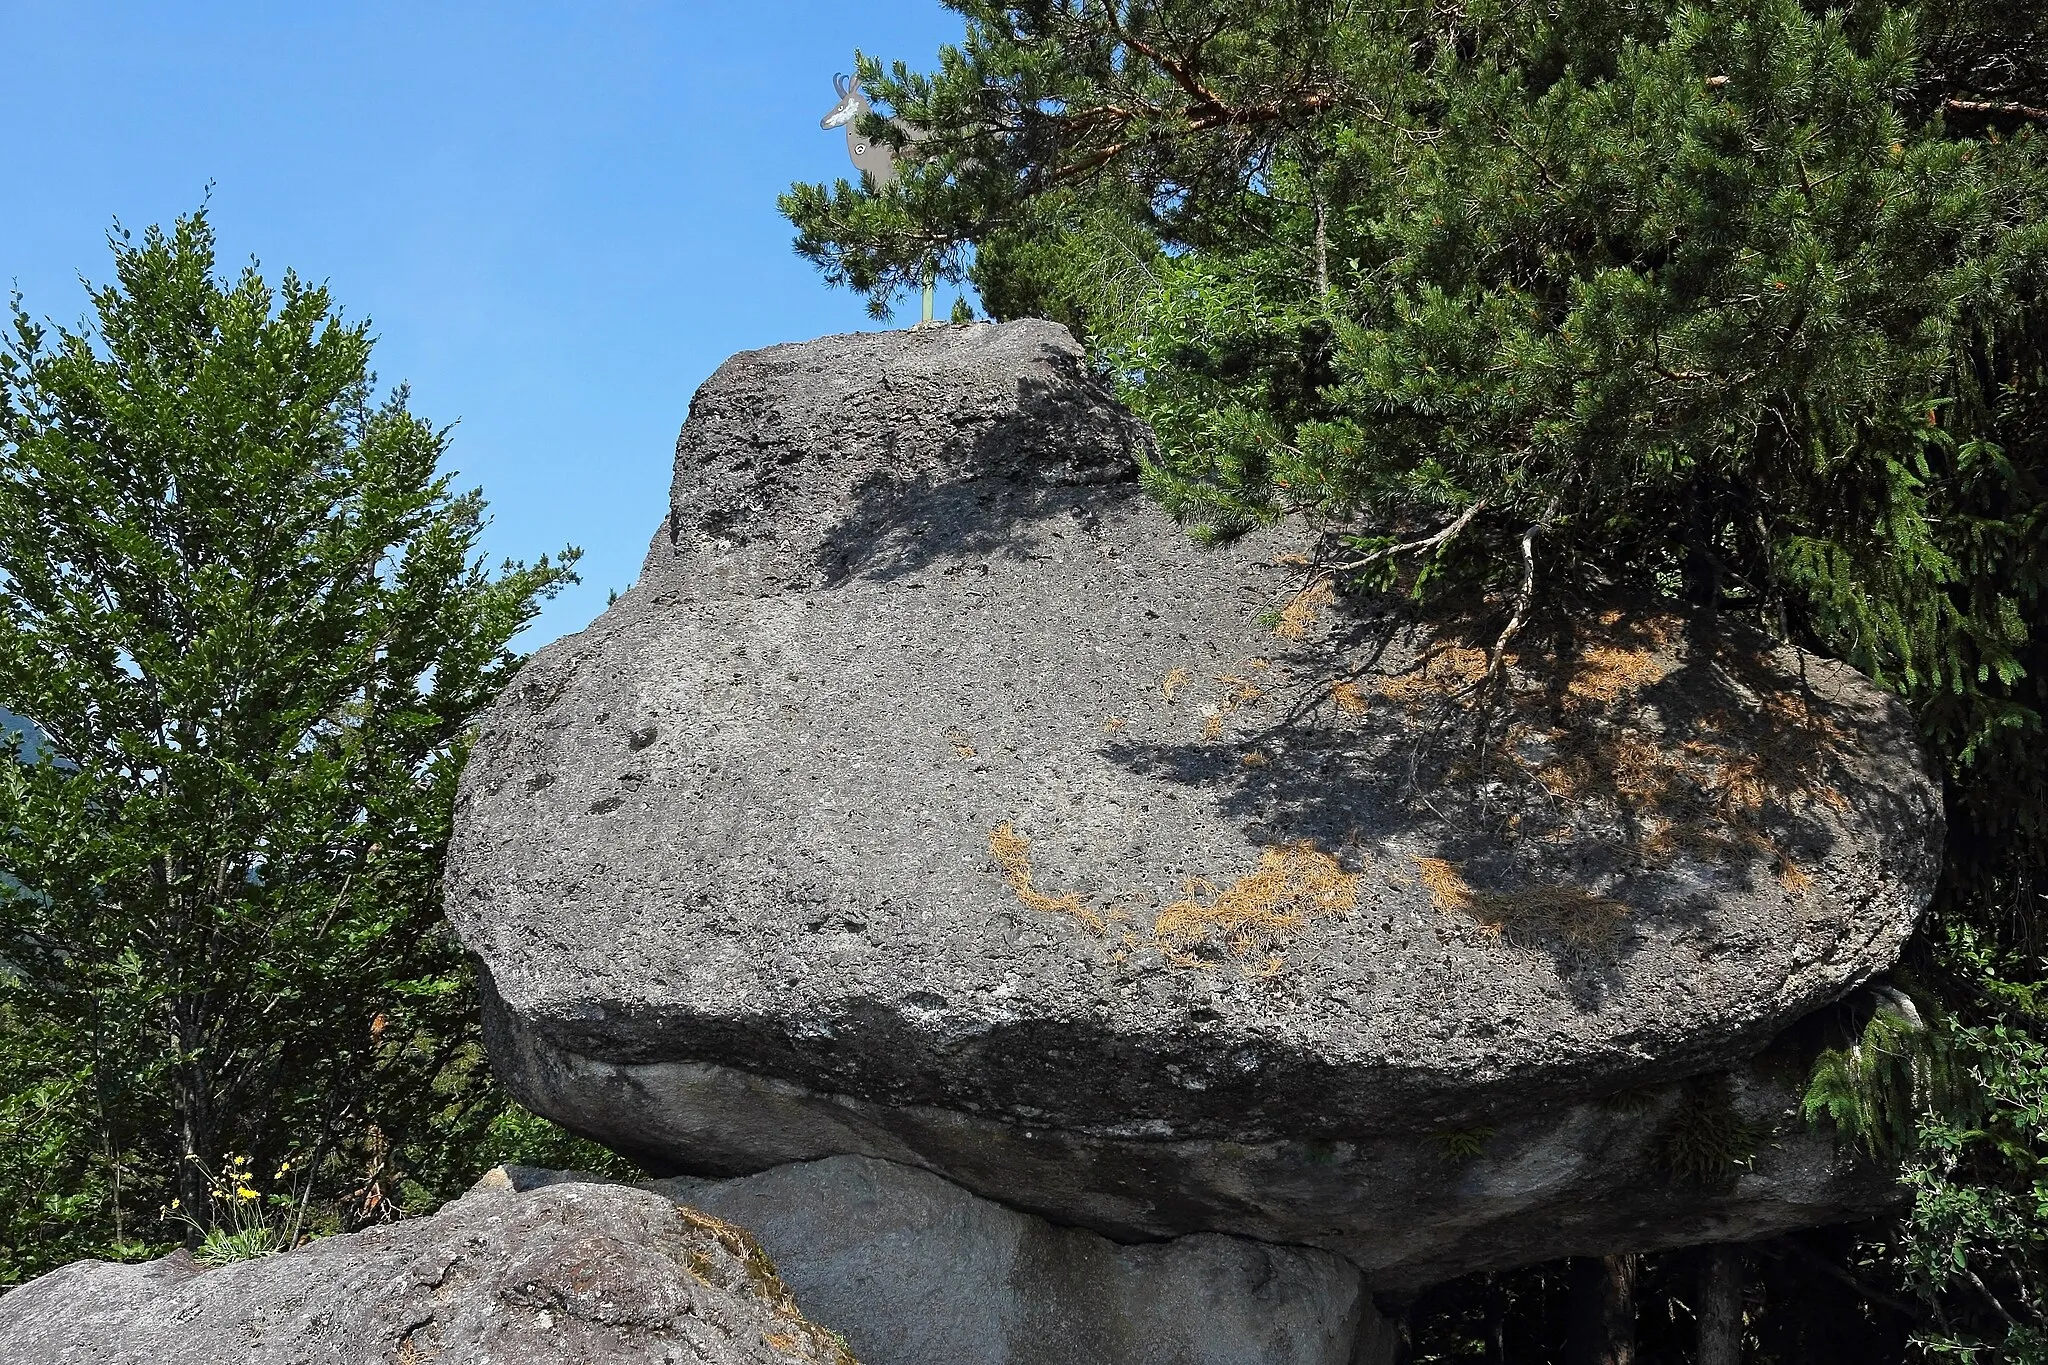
(1742, 305)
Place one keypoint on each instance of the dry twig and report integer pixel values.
(1525, 598)
(2026, 111)
(1428, 542)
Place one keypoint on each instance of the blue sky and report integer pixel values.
(559, 218)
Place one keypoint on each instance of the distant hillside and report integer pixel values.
(11, 724)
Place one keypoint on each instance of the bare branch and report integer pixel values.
(1542, 166)
(1218, 117)
(1429, 542)
(1183, 75)
(1322, 211)
(1525, 597)
(1789, 1249)
(1991, 1298)
(1991, 107)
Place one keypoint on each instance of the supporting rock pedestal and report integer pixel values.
(892, 1266)
(912, 1270)
(933, 797)
(1408, 1210)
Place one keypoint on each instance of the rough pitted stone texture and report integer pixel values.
(1410, 1210)
(561, 1276)
(933, 783)
(913, 1270)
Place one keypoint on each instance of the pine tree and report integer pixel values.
(1743, 305)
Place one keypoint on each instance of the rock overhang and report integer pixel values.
(930, 764)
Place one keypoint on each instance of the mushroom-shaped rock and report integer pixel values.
(934, 797)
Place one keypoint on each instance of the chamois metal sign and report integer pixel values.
(876, 160)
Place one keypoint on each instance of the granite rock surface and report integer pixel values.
(933, 796)
(913, 1270)
(1720, 1157)
(561, 1276)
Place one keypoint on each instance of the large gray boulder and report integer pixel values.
(914, 1270)
(933, 797)
(562, 1276)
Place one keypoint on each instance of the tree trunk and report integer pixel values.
(1496, 1345)
(1702, 569)
(1382, 1336)
(1603, 1311)
(1720, 1306)
(1322, 248)
(196, 1134)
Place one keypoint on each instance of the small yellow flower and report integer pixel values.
(282, 1169)
(174, 1203)
(245, 1194)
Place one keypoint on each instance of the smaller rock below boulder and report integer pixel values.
(915, 1270)
(569, 1274)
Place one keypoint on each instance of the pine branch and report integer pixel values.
(1429, 542)
(2026, 111)
(1220, 117)
(1182, 73)
(1525, 597)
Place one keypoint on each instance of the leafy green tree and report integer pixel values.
(1743, 304)
(246, 617)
